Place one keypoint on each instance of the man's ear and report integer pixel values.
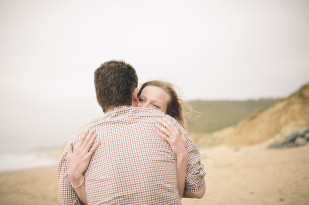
(134, 97)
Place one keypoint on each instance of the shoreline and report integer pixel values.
(26, 169)
(21, 161)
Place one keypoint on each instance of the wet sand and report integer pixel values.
(250, 175)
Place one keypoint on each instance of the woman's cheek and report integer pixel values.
(139, 104)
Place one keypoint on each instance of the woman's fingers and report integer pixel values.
(91, 141)
(182, 134)
(163, 136)
(170, 130)
(70, 150)
(87, 139)
(163, 122)
(93, 149)
(168, 122)
(169, 125)
(164, 130)
(82, 139)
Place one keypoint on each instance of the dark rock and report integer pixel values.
(288, 145)
(300, 141)
(281, 145)
(303, 130)
(306, 136)
(294, 139)
(290, 138)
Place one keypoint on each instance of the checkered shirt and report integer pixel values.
(132, 165)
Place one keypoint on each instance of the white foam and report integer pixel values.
(10, 162)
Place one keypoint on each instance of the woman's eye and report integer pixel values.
(140, 99)
(156, 106)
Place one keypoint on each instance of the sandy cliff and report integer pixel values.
(274, 123)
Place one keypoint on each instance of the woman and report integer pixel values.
(153, 94)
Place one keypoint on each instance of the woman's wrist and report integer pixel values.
(182, 156)
(75, 178)
(79, 185)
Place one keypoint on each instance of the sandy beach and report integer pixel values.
(31, 186)
(238, 176)
(256, 176)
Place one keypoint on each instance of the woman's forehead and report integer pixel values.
(155, 93)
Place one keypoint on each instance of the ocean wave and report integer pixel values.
(10, 162)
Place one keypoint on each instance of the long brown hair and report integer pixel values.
(174, 106)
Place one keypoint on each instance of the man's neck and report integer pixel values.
(114, 107)
(108, 109)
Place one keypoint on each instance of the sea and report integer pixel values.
(12, 162)
(36, 148)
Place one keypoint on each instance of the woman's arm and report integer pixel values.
(177, 140)
(78, 162)
(181, 171)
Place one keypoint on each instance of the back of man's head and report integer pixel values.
(114, 83)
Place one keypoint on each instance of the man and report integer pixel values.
(132, 165)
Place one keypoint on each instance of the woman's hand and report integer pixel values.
(176, 138)
(78, 160)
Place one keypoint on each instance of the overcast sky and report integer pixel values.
(216, 49)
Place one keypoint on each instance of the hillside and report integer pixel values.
(209, 116)
(286, 116)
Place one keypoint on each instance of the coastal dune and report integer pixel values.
(239, 176)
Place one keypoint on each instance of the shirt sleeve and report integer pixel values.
(66, 193)
(195, 177)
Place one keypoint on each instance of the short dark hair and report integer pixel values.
(114, 84)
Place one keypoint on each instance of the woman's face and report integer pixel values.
(154, 97)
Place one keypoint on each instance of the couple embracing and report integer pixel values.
(138, 153)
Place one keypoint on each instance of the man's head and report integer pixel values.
(115, 83)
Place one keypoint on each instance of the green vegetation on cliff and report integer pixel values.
(214, 115)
